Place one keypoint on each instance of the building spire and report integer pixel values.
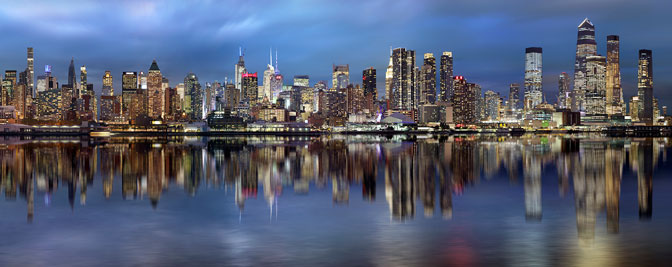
(240, 51)
(276, 59)
(270, 54)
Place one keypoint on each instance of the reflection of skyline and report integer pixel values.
(425, 174)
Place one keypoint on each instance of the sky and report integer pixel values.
(487, 37)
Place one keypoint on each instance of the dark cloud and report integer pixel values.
(487, 38)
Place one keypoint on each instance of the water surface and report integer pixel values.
(340, 201)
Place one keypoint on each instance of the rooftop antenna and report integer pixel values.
(276, 59)
(240, 51)
(270, 53)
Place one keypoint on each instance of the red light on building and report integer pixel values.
(250, 75)
(459, 78)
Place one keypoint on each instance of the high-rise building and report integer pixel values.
(464, 101)
(585, 47)
(240, 69)
(389, 76)
(301, 80)
(403, 84)
(72, 80)
(492, 105)
(194, 94)
(129, 86)
(250, 88)
(635, 108)
(596, 91)
(514, 97)
(370, 90)
(231, 96)
(31, 72)
(614, 91)
(142, 82)
(108, 87)
(427, 80)
(645, 86)
(446, 76)
(564, 93)
(269, 75)
(83, 80)
(155, 92)
(533, 78)
(340, 76)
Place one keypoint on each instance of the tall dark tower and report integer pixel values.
(585, 47)
(369, 82)
(645, 86)
(427, 78)
(446, 77)
(72, 79)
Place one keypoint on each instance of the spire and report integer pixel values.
(270, 54)
(240, 51)
(586, 21)
(276, 59)
(154, 66)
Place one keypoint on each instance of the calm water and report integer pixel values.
(341, 201)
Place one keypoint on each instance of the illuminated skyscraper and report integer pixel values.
(464, 101)
(427, 80)
(514, 97)
(269, 75)
(613, 77)
(108, 87)
(585, 47)
(389, 75)
(596, 91)
(340, 76)
(194, 93)
(645, 86)
(250, 87)
(301, 80)
(369, 88)
(446, 76)
(129, 86)
(31, 72)
(564, 93)
(72, 80)
(240, 69)
(533, 78)
(403, 83)
(492, 105)
(155, 91)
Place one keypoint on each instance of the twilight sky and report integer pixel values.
(487, 37)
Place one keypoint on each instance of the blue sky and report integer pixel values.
(487, 38)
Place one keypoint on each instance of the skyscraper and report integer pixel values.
(269, 75)
(250, 87)
(108, 87)
(31, 72)
(492, 105)
(428, 80)
(155, 91)
(240, 69)
(596, 91)
(446, 76)
(129, 86)
(83, 80)
(464, 101)
(389, 75)
(403, 83)
(614, 91)
(564, 93)
(585, 46)
(533, 78)
(72, 80)
(193, 91)
(514, 97)
(340, 76)
(645, 86)
(369, 88)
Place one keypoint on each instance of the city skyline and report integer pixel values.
(213, 59)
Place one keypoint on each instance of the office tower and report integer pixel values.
(171, 103)
(31, 72)
(635, 108)
(48, 105)
(492, 105)
(129, 86)
(464, 101)
(142, 81)
(155, 92)
(645, 86)
(301, 80)
(585, 47)
(613, 76)
(427, 80)
(446, 76)
(514, 97)
(240, 69)
(83, 80)
(269, 75)
(231, 96)
(533, 78)
(596, 91)
(72, 80)
(403, 83)
(370, 90)
(46, 81)
(277, 81)
(194, 95)
(108, 87)
(107, 107)
(389, 77)
(564, 93)
(8, 87)
(250, 88)
(340, 76)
